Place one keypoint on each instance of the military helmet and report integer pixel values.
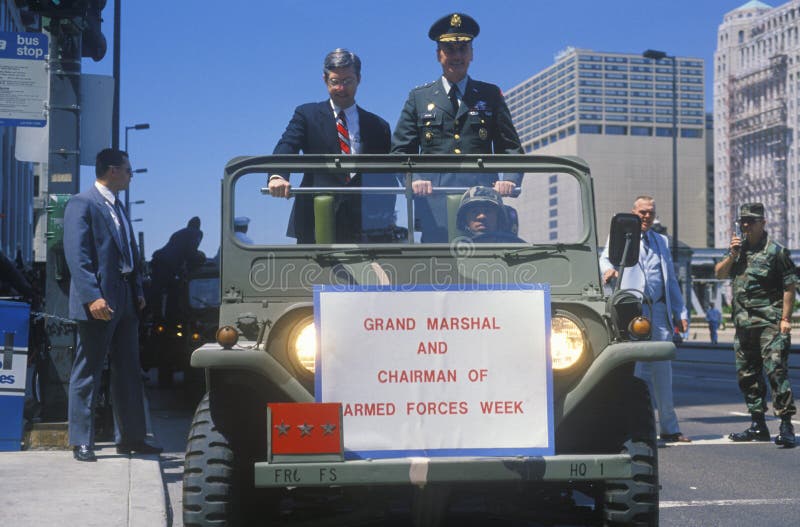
(481, 196)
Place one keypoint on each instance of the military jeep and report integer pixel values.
(596, 459)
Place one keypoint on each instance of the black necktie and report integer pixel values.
(123, 229)
(646, 241)
(454, 98)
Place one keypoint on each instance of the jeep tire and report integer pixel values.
(634, 501)
(218, 487)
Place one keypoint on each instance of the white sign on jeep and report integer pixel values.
(437, 372)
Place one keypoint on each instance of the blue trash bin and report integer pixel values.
(14, 324)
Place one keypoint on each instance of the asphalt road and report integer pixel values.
(710, 482)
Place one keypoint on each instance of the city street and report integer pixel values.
(710, 482)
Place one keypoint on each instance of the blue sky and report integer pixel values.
(222, 79)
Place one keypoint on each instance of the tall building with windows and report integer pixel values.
(614, 110)
(17, 179)
(756, 97)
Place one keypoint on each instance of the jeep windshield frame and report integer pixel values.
(405, 167)
(571, 267)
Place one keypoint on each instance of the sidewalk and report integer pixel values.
(48, 487)
(699, 337)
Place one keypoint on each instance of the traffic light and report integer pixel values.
(88, 18)
(57, 8)
(94, 42)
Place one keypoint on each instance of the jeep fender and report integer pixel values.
(612, 357)
(213, 357)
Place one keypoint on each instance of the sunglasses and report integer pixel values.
(749, 221)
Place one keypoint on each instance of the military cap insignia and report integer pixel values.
(455, 20)
(483, 133)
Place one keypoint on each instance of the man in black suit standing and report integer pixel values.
(455, 114)
(173, 262)
(105, 296)
(336, 125)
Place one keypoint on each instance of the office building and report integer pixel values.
(17, 179)
(756, 90)
(614, 110)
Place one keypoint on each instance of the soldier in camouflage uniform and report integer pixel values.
(764, 284)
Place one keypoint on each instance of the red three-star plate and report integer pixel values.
(305, 428)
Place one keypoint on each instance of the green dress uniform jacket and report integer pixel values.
(428, 125)
(482, 124)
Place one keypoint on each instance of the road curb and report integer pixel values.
(147, 506)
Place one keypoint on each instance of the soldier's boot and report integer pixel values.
(758, 431)
(786, 437)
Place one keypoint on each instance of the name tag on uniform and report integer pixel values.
(429, 115)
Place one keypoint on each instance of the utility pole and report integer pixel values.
(63, 180)
(75, 32)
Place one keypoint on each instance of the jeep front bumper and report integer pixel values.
(420, 471)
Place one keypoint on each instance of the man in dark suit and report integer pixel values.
(172, 262)
(105, 293)
(334, 126)
(454, 114)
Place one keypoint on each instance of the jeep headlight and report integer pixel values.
(566, 342)
(304, 344)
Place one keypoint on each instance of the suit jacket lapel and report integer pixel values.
(102, 204)
(469, 99)
(367, 134)
(440, 98)
(328, 125)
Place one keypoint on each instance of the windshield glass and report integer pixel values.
(204, 293)
(363, 208)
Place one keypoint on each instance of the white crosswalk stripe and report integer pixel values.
(726, 503)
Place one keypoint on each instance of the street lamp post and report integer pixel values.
(132, 203)
(140, 126)
(656, 56)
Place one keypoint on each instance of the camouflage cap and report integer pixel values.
(751, 210)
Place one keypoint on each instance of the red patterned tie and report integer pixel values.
(344, 135)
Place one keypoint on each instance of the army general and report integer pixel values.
(454, 114)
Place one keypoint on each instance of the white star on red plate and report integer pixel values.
(328, 428)
(305, 430)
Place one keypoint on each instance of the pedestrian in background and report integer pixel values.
(240, 226)
(764, 283)
(714, 318)
(454, 114)
(172, 262)
(654, 275)
(105, 297)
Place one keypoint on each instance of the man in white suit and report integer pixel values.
(654, 275)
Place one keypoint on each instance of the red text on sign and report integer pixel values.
(501, 407)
